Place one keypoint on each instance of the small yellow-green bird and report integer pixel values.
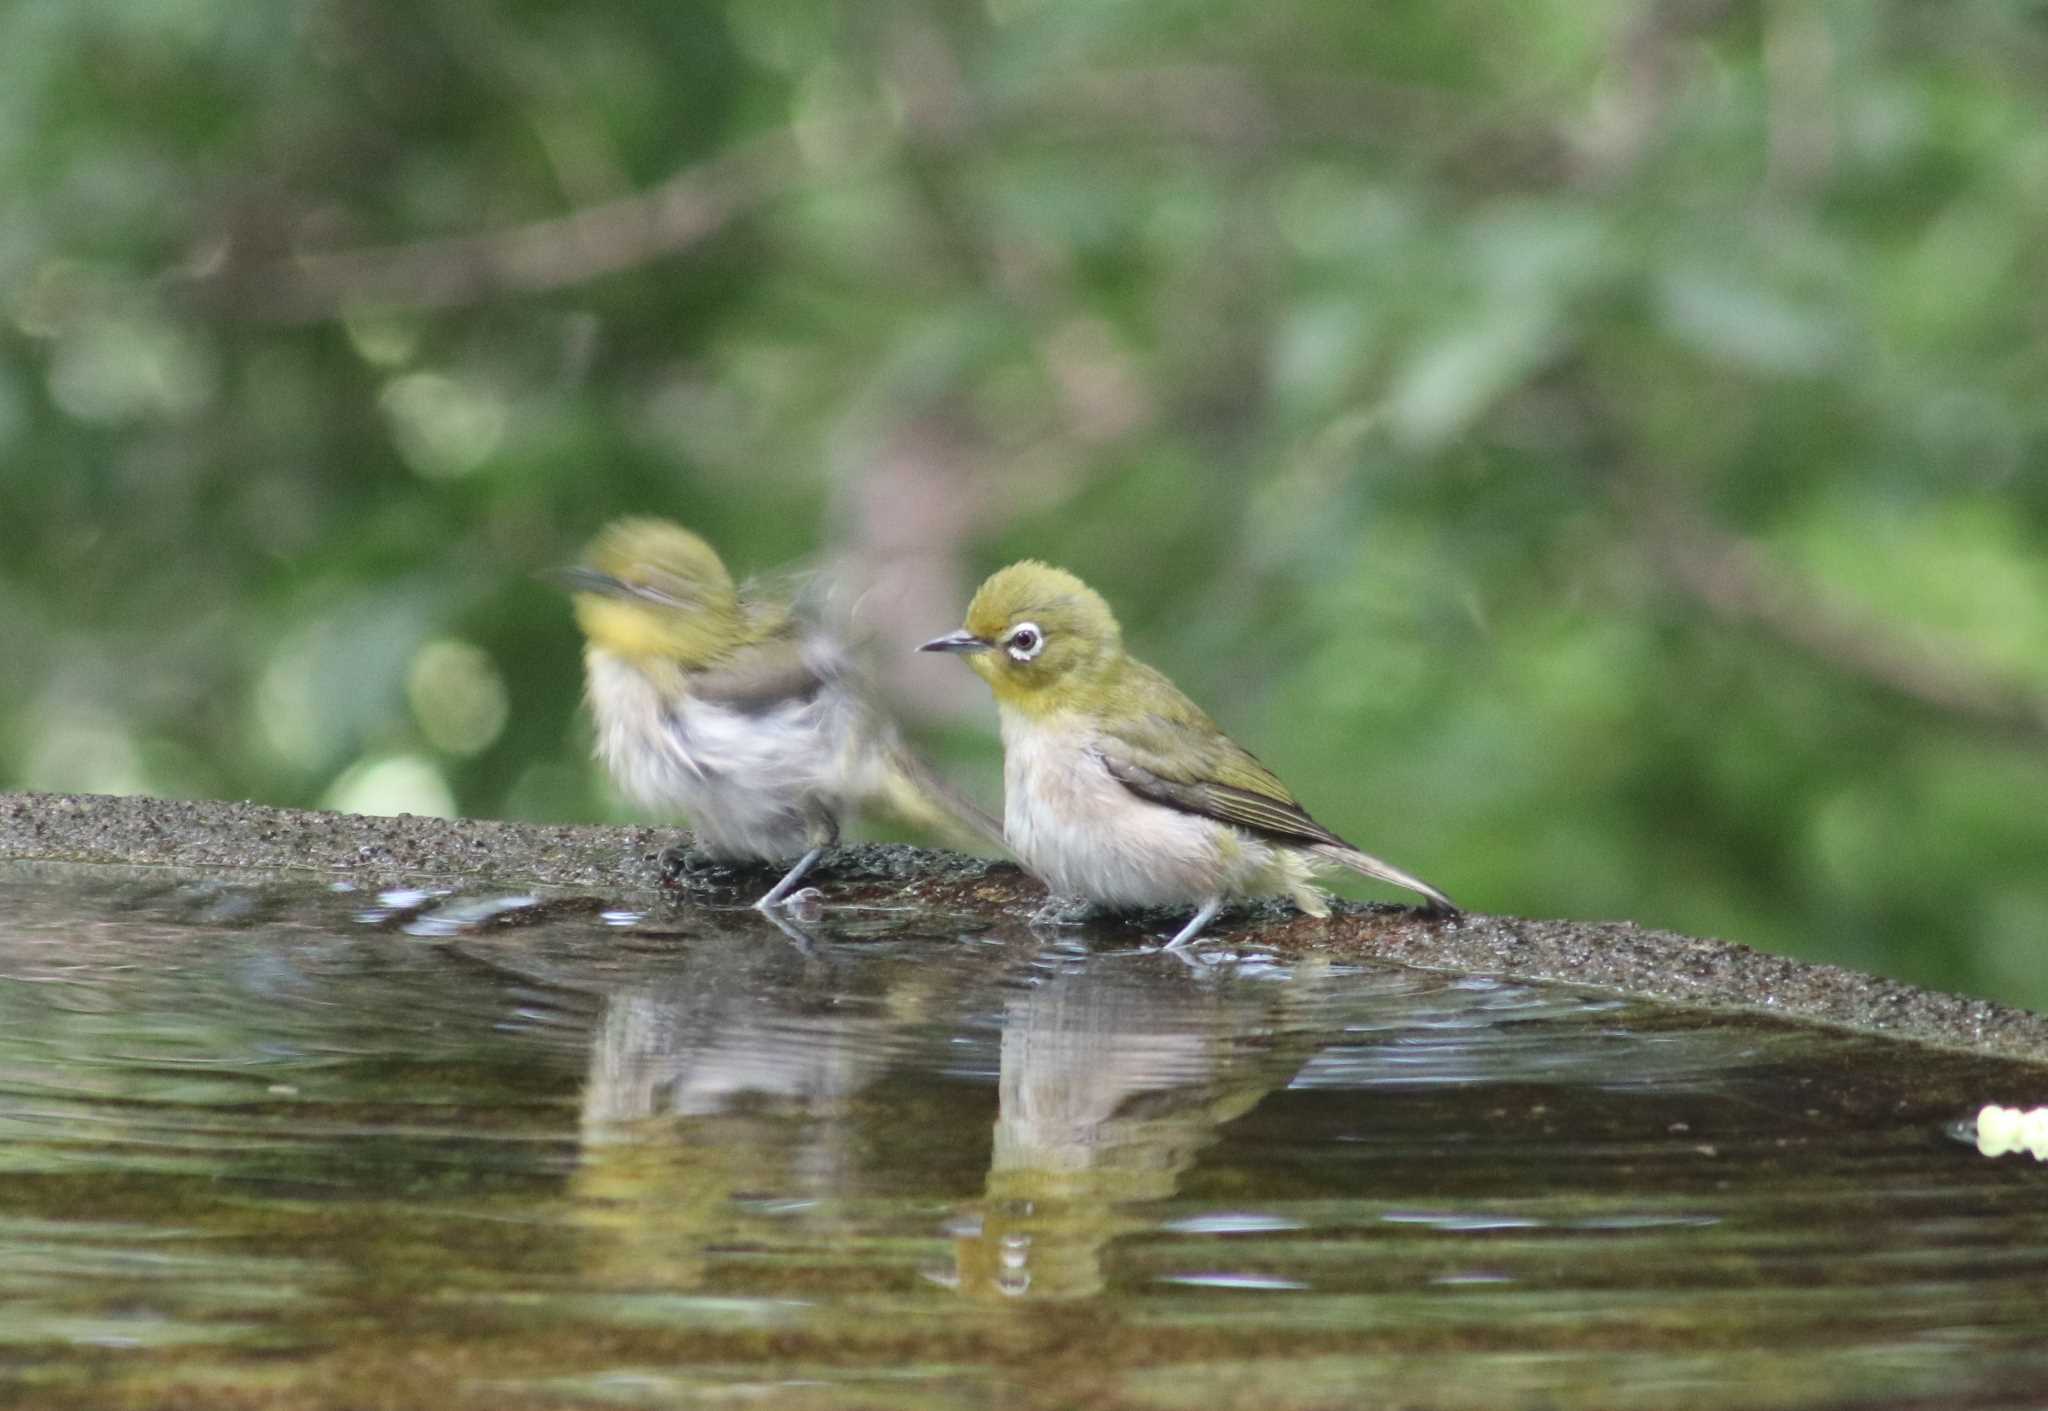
(1117, 788)
(737, 711)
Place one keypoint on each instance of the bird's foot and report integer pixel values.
(791, 917)
(806, 905)
(782, 892)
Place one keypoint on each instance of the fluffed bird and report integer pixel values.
(736, 710)
(1117, 787)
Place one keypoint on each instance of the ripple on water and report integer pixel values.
(572, 1153)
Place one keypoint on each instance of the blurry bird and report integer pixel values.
(736, 711)
(1117, 788)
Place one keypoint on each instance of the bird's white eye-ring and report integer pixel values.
(1024, 642)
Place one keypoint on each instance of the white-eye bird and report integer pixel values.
(1117, 788)
(736, 711)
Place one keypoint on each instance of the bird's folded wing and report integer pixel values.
(1201, 770)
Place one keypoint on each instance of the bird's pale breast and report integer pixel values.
(751, 783)
(1086, 835)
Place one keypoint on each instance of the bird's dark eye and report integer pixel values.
(1024, 643)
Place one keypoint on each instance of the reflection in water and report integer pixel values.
(735, 1074)
(724, 1102)
(1113, 1078)
(256, 1151)
(739, 1075)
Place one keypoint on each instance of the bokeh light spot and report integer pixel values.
(380, 338)
(457, 696)
(124, 369)
(85, 756)
(444, 427)
(392, 784)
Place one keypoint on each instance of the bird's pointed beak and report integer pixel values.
(961, 641)
(578, 579)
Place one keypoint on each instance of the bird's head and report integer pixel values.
(1040, 637)
(651, 588)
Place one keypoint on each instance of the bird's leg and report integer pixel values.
(790, 879)
(825, 833)
(1195, 923)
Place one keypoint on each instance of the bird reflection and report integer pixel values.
(729, 1107)
(1114, 1078)
(735, 1075)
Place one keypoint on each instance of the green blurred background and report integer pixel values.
(1597, 451)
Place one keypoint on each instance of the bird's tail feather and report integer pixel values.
(914, 792)
(1370, 866)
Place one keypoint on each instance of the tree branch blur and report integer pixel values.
(1198, 103)
(1736, 581)
(678, 214)
(1204, 104)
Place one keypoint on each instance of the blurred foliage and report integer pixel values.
(1596, 450)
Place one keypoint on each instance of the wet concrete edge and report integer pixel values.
(619, 863)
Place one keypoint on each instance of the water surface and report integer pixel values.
(280, 1146)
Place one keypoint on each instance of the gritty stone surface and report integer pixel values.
(622, 864)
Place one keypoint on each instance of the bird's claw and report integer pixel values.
(806, 905)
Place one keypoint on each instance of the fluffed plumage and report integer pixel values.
(737, 711)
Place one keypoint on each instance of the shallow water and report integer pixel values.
(277, 1146)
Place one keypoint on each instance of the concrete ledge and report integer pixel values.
(620, 864)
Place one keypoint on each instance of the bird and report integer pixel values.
(1117, 788)
(735, 709)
